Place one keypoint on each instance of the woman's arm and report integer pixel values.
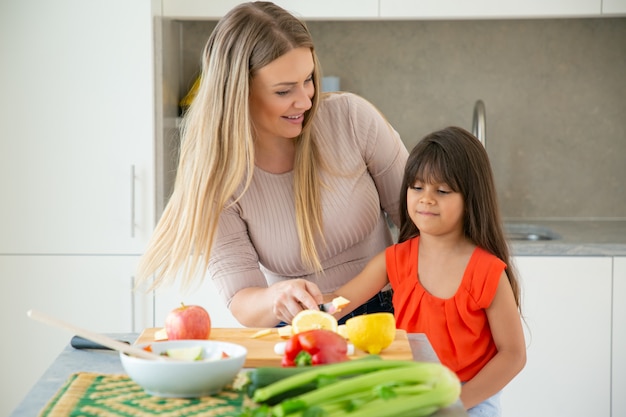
(235, 271)
(364, 286)
(506, 328)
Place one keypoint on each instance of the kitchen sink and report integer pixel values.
(529, 232)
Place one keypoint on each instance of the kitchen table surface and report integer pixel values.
(107, 362)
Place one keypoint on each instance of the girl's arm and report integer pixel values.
(506, 328)
(364, 286)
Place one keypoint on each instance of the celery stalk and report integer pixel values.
(354, 367)
(412, 373)
(412, 405)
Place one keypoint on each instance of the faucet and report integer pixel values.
(479, 122)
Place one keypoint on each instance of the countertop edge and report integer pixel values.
(575, 238)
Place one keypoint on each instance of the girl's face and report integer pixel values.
(435, 209)
(280, 93)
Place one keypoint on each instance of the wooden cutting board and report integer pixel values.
(261, 349)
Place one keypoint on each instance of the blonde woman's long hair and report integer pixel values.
(217, 145)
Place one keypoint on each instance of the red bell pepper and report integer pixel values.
(315, 347)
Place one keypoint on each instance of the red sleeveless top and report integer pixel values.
(456, 327)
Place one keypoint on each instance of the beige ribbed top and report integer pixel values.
(257, 242)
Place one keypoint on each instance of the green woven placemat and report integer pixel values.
(88, 394)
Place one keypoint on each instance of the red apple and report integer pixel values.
(188, 322)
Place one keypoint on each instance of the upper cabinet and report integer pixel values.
(319, 9)
(407, 9)
(487, 9)
(614, 7)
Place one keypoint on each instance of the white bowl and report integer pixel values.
(186, 379)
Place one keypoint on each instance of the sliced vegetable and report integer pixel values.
(285, 332)
(261, 333)
(193, 353)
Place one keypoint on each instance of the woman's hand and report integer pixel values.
(292, 296)
(266, 307)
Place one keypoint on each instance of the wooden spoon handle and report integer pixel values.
(94, 337)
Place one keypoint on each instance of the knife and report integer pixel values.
(328, 308)
(78, 342)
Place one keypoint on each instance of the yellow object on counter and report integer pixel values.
(371, 332)
(186, 101)
(313, 319)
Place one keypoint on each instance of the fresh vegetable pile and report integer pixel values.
(368, 387)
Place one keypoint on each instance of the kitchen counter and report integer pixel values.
(107, 362)
(576, 238)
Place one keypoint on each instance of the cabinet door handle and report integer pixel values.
(132, 304)
(132, 201)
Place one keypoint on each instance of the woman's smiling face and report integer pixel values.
(280, 94)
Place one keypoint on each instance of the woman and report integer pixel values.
(277, 185)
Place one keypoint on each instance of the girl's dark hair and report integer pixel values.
(453, 156)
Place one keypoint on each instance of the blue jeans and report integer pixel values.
(488, 408)
(380, 303)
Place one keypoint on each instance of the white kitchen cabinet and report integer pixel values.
(567, 305)
(614, 7)
(197, 9)
(324, 9)
(487, 9)
(618, 385)
(77, 173)
(319, 9)
(406, 9)
(204, 294)
(77, 117)
(92, 292)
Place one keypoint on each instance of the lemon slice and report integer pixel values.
(193, 353)
(313, 319)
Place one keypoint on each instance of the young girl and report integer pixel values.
(451, 272)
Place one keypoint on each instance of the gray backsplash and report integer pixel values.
(554, 90)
